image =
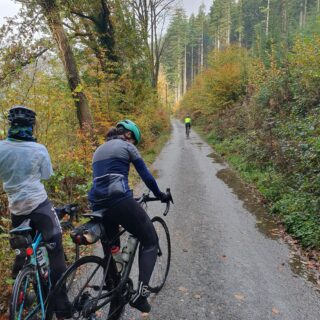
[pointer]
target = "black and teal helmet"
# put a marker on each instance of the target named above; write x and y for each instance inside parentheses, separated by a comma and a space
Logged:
(131, 126)
(21, 115)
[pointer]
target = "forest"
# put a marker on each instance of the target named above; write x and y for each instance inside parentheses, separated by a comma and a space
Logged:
(247, 71)
(82, 66)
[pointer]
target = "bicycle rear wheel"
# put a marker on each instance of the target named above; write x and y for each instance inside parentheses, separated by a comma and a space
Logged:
(25, 301)
(83, 281)
(161, 269)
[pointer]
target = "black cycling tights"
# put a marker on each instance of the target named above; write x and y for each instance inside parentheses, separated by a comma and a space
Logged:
(130, 215)
(45, 220)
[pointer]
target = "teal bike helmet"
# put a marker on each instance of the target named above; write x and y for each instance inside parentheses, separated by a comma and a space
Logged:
(131, 126)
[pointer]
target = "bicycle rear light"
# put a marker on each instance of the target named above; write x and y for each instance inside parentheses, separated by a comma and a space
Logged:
(29, 251)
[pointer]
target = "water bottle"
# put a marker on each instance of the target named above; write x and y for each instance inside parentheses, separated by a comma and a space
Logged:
(128, 248)
(43, 261)
(117, 256)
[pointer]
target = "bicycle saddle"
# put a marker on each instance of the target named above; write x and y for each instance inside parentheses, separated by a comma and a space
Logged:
(23, 227)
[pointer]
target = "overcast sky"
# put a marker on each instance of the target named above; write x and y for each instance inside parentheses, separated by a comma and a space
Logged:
(192, 6)
(9, 8)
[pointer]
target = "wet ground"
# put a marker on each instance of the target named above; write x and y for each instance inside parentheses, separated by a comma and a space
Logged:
(229, 262)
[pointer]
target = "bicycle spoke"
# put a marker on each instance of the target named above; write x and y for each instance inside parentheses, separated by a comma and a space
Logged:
(25, 303)
(86, 291)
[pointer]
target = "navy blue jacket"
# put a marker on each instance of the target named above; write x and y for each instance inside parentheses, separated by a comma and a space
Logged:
(111, 164)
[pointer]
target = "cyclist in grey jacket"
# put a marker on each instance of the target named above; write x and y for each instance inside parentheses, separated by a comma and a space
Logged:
(23, 164)
(110, 190)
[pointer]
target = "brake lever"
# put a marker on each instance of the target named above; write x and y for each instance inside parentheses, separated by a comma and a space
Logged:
(170, 195)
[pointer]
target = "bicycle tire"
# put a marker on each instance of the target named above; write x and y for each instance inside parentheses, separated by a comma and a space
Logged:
(22, 299)
(83, 279)
(162, 265)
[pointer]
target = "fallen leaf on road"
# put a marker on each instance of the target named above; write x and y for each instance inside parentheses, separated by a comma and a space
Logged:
(145, 316)
(182, 289)
(239, 296)
(197, 296)
(224, 257)
(275, 311)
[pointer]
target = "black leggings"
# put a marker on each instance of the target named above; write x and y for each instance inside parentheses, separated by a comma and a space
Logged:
(131, 216)
(45, 220)
(188, 125)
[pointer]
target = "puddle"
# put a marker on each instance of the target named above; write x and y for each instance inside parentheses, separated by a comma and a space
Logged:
(216, 158)
(264, 222)
(299, 267)
(199, 144)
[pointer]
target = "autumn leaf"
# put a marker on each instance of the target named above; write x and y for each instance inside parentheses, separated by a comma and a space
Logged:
(275, 311)
(239, 296)
(182, 289)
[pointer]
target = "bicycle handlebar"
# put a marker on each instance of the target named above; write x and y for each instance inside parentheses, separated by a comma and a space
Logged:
(68, 209)
(147, 198)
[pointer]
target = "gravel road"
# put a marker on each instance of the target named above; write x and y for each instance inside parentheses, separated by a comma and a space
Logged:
(228, 262)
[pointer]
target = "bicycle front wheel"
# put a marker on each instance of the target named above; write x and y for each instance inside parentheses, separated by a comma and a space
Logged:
(27, 300)
(161, 269)
(83, 282)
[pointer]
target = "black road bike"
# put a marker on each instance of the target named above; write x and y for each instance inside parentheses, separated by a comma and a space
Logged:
(96, 286)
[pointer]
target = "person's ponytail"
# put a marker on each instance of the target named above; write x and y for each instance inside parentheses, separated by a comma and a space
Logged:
(115, 132)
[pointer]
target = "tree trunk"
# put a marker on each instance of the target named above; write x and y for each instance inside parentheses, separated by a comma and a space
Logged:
(240, 26)
(192, 72)
(201, 49)
(52, 15)
(229, 22)
(305, 12)
(185, 70)
(284, 15)
(301, 15)
(267, 20)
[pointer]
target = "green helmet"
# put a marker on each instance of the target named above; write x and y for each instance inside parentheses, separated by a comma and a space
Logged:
(131, 126)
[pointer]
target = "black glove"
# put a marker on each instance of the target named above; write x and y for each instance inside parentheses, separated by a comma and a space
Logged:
(164, 197)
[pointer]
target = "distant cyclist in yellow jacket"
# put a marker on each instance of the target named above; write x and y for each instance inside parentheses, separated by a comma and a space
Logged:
(187, 122)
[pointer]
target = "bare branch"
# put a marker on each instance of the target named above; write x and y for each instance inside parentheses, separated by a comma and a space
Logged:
(20, 64)
(82, 15)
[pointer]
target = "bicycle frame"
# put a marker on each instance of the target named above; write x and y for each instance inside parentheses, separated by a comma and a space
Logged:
(33, 262)
(124, 275)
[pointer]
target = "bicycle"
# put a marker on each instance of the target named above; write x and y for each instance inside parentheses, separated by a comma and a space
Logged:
(32, 285)
(98, 286)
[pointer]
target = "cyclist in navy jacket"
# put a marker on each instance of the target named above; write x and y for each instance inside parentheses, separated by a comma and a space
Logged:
(111, 163)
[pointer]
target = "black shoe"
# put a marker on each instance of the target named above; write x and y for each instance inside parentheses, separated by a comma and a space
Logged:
(62, 307)
(63, 311)
(139, 300)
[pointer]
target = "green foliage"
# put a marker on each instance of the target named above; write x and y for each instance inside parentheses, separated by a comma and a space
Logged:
(265, 120)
